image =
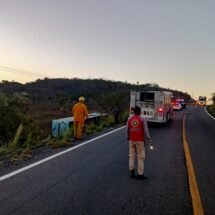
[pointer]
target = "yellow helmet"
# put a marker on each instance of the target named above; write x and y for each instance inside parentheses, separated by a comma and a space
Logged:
(81, 98)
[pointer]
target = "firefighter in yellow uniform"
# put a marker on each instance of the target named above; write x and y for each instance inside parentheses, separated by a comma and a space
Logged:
(80, 114)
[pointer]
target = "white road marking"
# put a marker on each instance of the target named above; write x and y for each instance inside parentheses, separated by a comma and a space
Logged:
(54, 156)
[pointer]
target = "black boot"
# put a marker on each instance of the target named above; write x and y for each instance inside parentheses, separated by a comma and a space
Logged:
(132, 173)
(141, 177)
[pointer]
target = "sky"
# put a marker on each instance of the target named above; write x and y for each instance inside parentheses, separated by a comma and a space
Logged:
(168, 42)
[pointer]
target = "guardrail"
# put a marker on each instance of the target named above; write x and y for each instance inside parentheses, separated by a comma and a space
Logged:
(59, 126)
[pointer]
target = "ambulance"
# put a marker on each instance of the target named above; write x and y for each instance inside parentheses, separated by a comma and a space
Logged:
(156, 106)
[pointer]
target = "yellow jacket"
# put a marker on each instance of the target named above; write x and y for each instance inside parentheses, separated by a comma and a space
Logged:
(80, 112)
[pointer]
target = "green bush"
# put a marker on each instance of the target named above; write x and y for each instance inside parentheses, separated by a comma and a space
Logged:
(99, 129)
(91, 128)
(103, 124)
(124, 116)
(211, 110)
(110, 121)
(62, 140)
(3, 149)
(17, 129)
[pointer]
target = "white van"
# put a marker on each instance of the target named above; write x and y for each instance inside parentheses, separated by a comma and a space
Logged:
(155, 106)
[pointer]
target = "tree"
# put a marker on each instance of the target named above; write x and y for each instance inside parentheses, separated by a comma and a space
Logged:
(213, 98)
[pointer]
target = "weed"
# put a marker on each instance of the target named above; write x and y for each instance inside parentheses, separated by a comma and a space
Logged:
(16, 138)
(91, 128)
(211, 110)
(98, 129)
(63, 140)
(110, 121)
(124, 116)
(3, 149)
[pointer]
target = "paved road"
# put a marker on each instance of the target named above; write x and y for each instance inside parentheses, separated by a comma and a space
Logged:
(94, 179)
(201, 137)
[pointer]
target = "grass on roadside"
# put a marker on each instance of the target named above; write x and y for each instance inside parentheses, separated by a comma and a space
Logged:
(13, 149)
(23, 151)
(62, 140)
(211, 109)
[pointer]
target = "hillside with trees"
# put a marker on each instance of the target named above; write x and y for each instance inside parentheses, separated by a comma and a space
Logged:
(61, 92)
(52, 98)
(31, 107)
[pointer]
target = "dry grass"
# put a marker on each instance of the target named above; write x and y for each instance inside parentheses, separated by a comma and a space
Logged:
(16, 138)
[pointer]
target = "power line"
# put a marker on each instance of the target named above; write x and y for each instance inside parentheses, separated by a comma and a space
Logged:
(21, 72)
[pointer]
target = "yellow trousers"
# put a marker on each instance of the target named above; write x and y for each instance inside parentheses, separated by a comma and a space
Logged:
(137, 150)
(78, 129)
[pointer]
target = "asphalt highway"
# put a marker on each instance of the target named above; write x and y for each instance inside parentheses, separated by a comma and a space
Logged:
(201, 138)
(94, 178)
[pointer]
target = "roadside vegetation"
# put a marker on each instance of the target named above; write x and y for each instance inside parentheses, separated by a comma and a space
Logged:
(19, 134)
(211, 108)
(91, 127)
(18, 131)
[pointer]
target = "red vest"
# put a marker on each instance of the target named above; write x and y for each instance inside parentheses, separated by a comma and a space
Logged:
(135, 126)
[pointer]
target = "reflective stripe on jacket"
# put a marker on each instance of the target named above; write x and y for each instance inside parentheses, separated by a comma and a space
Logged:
(136, 129)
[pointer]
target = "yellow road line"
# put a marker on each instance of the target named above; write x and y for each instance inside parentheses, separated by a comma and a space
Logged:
(196, 200)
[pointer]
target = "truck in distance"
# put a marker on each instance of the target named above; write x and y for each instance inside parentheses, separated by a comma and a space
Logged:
(156, 106)
(202, 101)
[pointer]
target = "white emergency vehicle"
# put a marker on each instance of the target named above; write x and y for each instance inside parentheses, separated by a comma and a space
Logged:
(156, 106)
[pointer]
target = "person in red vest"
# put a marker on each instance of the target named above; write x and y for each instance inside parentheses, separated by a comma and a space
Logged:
(138, 134)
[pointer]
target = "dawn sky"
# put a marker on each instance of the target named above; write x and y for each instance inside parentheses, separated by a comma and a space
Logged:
(168, 42)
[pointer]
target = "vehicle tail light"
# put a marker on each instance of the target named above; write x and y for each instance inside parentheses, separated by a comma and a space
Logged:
(160, 109)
